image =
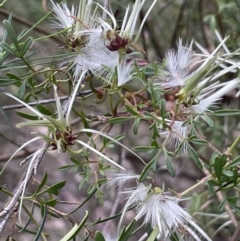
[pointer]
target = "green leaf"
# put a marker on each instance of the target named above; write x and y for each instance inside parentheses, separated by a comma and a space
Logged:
(6, 82)
(75, 161)
(42, 183)
(9, 50)
(27, 116)
(44, 214)
(11, 33)
(163, 107)
(5, 117)
(169, 165)
(153, 234)
(136, 125)
(179, 148)
(54, 189)
(222, 205)
(150, 166)
(151, 116)
(235, 207)
(144, 148)
(12, 76)
(226, 112)
(127, 232)
(227, 173)
(44, 110)
(75, 230)
(52, 202)
(208, 120)
(213, 158)
(211, 184)
(21, 90)
(234, 163)
(132, 110)
(99, 236)
(199, 142)
(119, 120)
(194, 156)
(26, 46)
(218, 167)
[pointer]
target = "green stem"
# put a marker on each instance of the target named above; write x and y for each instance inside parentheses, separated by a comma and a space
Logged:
(36, 24)
(194, 186)
(51, 35)
(28, 65)
(234, 144)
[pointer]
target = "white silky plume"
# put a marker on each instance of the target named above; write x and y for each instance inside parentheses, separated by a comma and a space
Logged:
(157, 208)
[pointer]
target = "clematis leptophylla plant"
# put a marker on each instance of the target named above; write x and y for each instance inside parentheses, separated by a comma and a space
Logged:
(60, 135)
(106, 46)
(74, 21)
(198, 89)
(156, 207)
(123, 38)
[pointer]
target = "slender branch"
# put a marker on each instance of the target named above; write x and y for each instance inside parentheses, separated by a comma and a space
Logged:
(42, 102)
(105, 6)
(9, 208)
(236, 235)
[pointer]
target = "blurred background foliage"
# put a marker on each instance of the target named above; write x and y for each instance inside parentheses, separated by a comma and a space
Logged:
(169, 21)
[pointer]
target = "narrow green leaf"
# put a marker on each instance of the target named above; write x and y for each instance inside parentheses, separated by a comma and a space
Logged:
(6, 82)
(52, 202)
(144, 148)
(226, 112)
(208, 120)
(42, 223)
(132, 110)
(194, 156)
(227, 173)
(11, 33)
(179, 148)
(222, 205)
(44, 110)
(72, 159)
(5, 117)
(235, 207)
(9, 50)
(136, 125)
(169, 165)
(12, 76)
(199, 142)
(21, 90)
(118, 120)
(211, 185)
(234, 163)
(127, 232)
(163, 107)
(42, 183)
(54, 189)
(27, 116)
(150, 166)
(75, 230)
(29, 219)
(26, 46)
(153, 234)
